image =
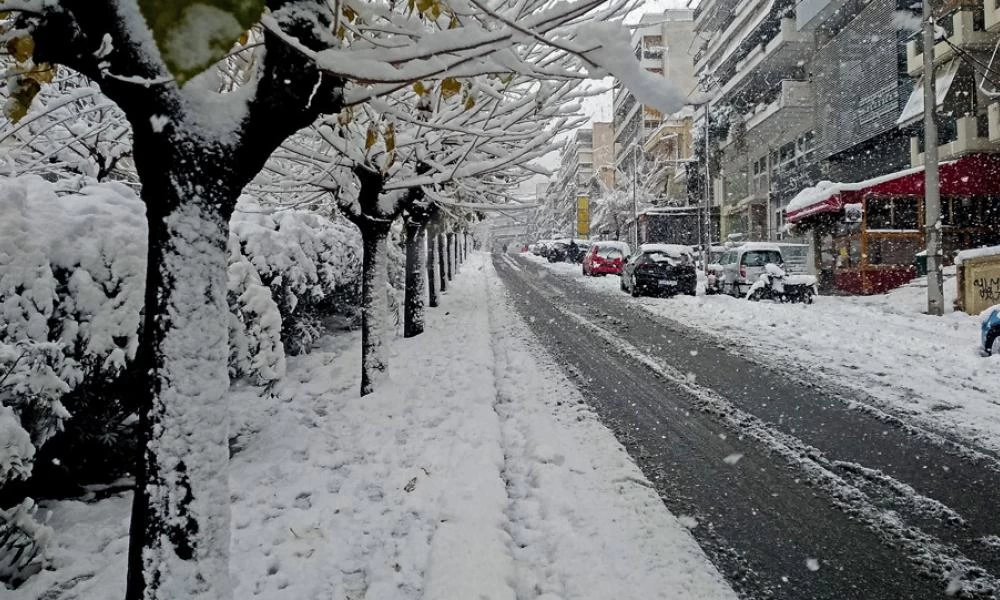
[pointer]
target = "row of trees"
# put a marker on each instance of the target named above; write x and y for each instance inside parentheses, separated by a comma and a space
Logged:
(378, 110)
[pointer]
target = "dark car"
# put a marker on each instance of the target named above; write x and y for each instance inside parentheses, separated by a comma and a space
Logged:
(656, 269)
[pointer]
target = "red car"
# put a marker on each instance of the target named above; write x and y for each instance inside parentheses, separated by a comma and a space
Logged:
(605, 258)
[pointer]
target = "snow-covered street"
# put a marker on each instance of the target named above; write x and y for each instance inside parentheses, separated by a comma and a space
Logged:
(830, 477)
(925, 370)
(476, 472)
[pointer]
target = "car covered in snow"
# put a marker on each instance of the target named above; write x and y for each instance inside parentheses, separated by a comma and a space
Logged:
(660, 269)
(990, 339)
(605, 258)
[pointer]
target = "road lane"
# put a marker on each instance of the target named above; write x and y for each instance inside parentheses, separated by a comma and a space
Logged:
(887, 514)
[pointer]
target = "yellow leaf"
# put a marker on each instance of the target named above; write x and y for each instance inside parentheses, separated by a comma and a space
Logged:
(425, 5)
(244, 38)
(389, 160)
(21, 48)
(21, 98)
(349, 13)
(371, 138)
(390, 137)
(454, 22)
(470, 102)
(450, 87)
(419, 88)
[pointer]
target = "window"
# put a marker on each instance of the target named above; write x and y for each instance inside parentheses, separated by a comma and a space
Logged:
(892, 214)
(759, 258)
(893, 250)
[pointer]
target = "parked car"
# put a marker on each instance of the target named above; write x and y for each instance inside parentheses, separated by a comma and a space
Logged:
(605, 258)
(756, 269)
(541, 248)
(557, 251)
(660, 269)
(990, 339)
(742, 266)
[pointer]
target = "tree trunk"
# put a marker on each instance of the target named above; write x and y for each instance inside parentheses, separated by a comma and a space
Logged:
(443, 261)
(179, 538)
(451, 255)
(432, 284)
(374, 306)
(413, 304)
(465, 245)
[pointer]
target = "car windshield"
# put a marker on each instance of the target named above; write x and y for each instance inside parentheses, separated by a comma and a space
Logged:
(759, 258)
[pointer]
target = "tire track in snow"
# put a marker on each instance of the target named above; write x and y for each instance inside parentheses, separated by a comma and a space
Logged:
(937, 559)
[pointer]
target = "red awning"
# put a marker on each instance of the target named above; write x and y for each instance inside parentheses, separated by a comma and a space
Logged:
(973, 175)
(830, 204)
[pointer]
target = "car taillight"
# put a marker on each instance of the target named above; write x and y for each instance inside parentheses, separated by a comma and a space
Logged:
(743, 271)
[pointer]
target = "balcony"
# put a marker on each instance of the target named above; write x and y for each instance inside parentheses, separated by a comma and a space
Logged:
(966, 29)
(992, 15)
(780, 56)
(793, 95)
(745, 17)
(972, 135)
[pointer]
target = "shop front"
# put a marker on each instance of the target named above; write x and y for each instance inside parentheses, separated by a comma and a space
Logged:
(867, 234)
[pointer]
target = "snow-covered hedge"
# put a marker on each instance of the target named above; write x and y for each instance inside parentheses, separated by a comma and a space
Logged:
(311, 264)
(72, 270)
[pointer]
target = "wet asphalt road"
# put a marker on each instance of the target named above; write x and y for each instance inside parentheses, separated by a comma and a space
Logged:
(782, 475)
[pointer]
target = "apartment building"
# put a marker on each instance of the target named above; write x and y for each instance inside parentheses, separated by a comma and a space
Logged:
(967, 86)
(755, 55)
(662, 44)
(574, 180)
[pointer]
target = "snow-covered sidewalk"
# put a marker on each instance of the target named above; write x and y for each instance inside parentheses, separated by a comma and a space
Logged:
(476, 472)
(923, 369)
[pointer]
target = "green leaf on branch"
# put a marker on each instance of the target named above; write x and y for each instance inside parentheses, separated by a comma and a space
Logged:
(194, 34)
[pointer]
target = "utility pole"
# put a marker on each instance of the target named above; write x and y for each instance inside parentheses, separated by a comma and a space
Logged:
(705, 230)
(635, 195)
(932, 190)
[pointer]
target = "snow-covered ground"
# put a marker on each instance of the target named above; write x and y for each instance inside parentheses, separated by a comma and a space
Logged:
(476, 472)
(926, 370)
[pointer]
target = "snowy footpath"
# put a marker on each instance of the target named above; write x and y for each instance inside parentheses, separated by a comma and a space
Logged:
(476, 472)
(924, 370)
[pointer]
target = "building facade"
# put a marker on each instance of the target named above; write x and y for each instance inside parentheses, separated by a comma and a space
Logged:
(574, 180)
(662, 44)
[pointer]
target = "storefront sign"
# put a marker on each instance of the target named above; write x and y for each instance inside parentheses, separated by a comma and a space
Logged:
(583, 217)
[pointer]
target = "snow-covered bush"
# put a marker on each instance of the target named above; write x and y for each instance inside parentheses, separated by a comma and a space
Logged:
(71, 275)
(311, 264)
(22, 543)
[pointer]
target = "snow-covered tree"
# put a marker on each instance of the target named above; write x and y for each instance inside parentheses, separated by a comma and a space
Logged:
(195, 149)
(71, 130)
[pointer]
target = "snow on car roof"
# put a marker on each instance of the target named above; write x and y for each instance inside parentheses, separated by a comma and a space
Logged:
(758, 246)
(611, 244)
(668, 249)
